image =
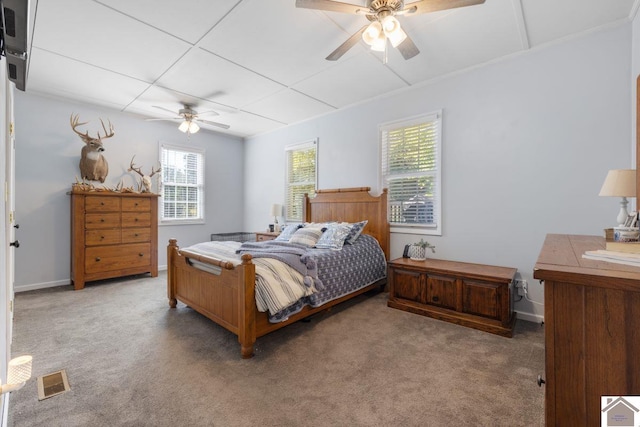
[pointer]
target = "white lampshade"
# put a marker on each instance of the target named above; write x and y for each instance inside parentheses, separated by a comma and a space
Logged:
(189, 127)
(373, 31)
(276, 210)
(619, 183)
(19, 370)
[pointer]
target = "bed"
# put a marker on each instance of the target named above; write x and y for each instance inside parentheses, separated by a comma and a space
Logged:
(226, 293)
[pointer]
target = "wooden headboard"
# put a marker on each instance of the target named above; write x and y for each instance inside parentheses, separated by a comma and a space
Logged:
(351, 205)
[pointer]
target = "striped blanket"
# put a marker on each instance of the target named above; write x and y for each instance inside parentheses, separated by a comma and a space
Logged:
(277, 284)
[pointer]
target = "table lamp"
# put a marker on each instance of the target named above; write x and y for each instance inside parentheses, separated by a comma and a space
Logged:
(620, 183)
(276, 211)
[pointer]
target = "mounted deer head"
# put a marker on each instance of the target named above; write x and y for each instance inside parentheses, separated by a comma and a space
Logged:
(145, 182)
(93, 165)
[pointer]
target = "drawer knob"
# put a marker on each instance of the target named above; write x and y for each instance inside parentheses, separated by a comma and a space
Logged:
(97, 259)
(136, 203)
(136, 219)
(101, 203)
(101, 237)
(140, 254)
(135, 234)
(435, 299)
(101, 219)
(540, 381)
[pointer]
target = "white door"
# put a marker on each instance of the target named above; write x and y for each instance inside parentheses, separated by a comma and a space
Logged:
(12, 226)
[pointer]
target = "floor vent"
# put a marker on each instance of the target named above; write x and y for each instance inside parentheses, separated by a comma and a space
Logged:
(52, 384)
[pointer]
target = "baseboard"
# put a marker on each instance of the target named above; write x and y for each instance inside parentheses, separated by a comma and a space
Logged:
(43, 285)
(162, 268)
(535, 318)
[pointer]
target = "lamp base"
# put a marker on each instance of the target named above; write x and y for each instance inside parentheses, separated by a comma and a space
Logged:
(623, 214)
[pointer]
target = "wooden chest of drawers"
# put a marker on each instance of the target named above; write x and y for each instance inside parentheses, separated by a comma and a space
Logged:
(473, 295)
(113, 235)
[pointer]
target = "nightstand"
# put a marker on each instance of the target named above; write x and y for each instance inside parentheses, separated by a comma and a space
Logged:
(262, 236)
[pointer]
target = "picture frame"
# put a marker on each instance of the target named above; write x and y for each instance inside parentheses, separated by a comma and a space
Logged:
(632, 220)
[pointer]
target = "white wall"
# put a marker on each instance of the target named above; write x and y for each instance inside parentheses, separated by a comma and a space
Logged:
(47, 156)
(527, 142)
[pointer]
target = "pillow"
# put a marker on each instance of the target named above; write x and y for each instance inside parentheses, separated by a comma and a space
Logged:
(287, 232)
(356, 229)
(307, 236)
(334, 237)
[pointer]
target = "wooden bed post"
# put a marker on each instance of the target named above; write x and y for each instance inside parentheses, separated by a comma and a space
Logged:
(172, 249)
(247, 307)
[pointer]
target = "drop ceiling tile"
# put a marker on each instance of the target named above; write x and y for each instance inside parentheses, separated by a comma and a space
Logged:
(204, 75)
(79, 81)
(288, 46)
(551, 19)
(188, 19)
(288, 106)
(457, 39)
(351, 80)
(95, 34)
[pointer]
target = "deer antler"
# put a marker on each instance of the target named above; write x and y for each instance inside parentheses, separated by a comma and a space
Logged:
(132, 168)
(107, 134)
(153, 171)
(74, 120)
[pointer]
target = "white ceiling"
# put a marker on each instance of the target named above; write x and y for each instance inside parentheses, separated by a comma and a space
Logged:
(260, 63)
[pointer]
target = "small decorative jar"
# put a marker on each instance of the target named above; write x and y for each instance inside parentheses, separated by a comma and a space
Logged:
(417, 252)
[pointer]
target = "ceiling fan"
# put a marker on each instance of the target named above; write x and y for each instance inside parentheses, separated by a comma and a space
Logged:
(189, 118)
(384, 26)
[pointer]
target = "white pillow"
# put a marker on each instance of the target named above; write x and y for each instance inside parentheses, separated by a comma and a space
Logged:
(307, 236)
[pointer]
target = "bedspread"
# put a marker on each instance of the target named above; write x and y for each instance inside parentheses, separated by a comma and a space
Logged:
(278, 286)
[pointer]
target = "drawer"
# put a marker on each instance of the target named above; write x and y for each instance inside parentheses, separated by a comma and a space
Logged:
(136, 204)
(102, 220)
(135, 235)
(442, 291)
(101, 204)
(109, 258)
(136, 219)
(103, 237)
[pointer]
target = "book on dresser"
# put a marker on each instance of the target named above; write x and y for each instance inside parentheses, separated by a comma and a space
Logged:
(631, 247)
(112, 235)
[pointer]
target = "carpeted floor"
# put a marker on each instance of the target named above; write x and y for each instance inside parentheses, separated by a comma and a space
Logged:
(132, 361)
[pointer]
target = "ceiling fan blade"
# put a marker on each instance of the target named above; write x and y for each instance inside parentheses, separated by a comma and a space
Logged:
(220, 125)
(331, 6)
(408, 48)
(426, 6)
(344, 47)
(167, 119)
(165, 109)
(208, 113)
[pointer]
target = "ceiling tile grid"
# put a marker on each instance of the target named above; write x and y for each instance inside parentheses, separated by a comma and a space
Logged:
(260, 64)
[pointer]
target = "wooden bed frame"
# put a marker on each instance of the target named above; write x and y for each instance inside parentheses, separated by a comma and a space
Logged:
(228, 298)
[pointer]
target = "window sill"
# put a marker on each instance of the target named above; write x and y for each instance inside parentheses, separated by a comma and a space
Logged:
(416, 231)
(181, 222)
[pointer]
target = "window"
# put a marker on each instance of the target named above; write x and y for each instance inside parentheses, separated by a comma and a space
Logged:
(301, 177)
(411, 171)
(182, 187)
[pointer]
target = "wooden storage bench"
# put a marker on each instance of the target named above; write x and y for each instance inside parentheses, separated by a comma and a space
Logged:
(473, 295)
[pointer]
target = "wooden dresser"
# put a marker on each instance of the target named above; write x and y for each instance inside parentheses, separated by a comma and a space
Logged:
(592, 329)
(263, 236)
(474, 295)
(113, 235)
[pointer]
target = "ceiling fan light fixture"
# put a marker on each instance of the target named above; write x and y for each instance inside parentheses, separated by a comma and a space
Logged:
(397, 37)
(184, 126)
(193, 127)
(372, 33)
(390, 24)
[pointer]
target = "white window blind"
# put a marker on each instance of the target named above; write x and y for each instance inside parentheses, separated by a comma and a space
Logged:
(301, 177)
(411, 171)
(182, 186)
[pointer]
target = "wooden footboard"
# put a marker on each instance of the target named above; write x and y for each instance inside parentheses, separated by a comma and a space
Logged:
(226, 295)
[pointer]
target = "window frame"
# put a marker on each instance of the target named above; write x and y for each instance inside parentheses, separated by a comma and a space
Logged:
(200, 185)
(289, 149)
(413, 228)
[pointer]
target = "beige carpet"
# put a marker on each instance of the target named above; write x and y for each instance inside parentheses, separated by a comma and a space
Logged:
(132, 361)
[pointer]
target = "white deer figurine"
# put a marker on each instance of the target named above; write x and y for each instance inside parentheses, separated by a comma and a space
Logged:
(145, 181)
(93, 165)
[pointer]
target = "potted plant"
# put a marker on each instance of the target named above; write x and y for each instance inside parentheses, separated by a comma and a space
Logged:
(418, 251)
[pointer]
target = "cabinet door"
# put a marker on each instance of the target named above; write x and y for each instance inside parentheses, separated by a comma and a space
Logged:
(482, 299)
(441, 291)
(409, 285)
